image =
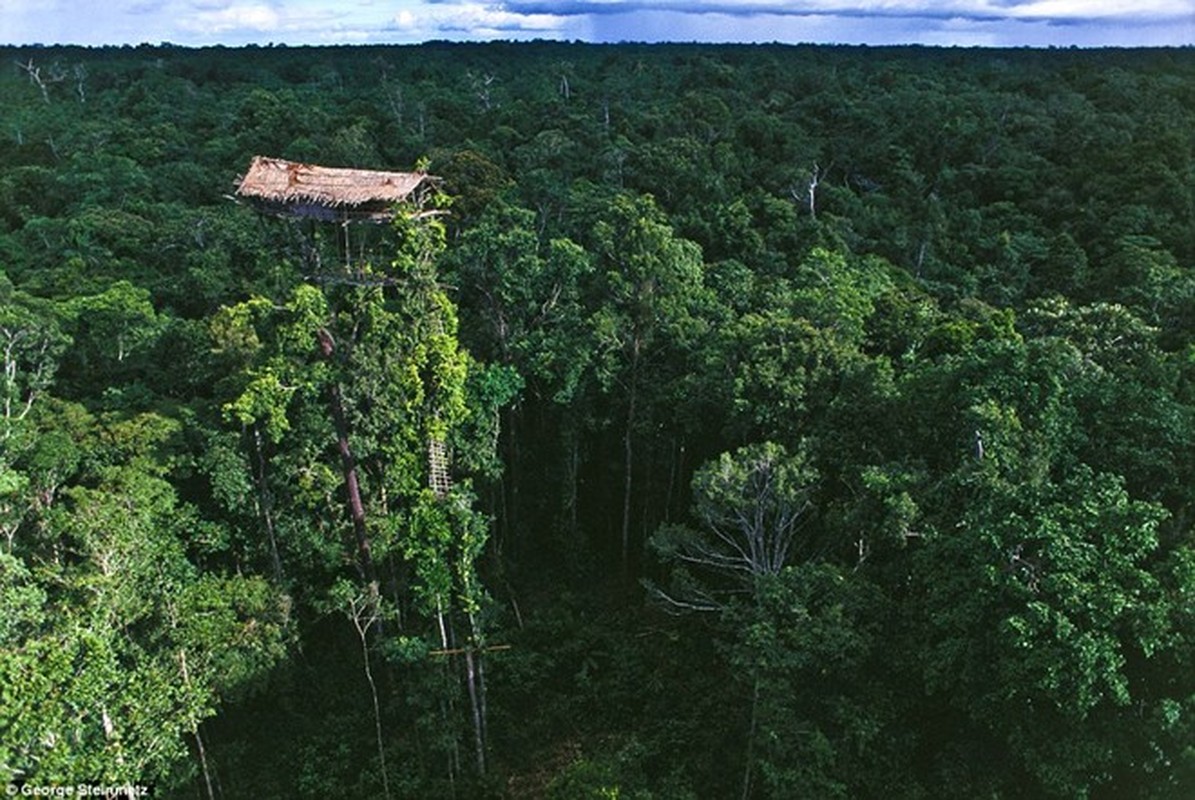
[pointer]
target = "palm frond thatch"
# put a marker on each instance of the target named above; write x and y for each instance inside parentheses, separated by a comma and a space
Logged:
(290, 188)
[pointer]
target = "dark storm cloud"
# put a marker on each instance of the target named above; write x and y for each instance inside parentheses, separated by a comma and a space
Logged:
(1055, 11)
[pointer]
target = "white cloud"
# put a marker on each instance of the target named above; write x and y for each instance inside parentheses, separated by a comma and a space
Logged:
(225, 20)
(478, 20)
(254, 18)
(210, 5)
(475, 18)
(1063, 10)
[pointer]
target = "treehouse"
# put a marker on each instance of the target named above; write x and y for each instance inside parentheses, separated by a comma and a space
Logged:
(299, 192)
(306, 192)
(330, 194)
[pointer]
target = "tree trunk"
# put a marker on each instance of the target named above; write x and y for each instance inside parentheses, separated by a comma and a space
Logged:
(348, 466)
(362, 632)
(628, 461)
(750, 766)
(509, 483)
(207, 775)
(475, 678)
(448, 705)
(199, 747)
(676, 467)
(471, 681)
(265, 503)
(572, 468)
(352, 488)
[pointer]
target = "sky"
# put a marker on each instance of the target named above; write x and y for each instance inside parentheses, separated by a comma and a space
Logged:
(967, 23)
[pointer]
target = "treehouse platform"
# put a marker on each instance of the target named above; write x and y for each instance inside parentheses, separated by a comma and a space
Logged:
(284, 188)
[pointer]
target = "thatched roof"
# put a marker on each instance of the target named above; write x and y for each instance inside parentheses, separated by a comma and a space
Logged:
(306, 190)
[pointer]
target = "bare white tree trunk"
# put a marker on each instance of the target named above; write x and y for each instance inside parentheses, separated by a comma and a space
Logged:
(363, 613)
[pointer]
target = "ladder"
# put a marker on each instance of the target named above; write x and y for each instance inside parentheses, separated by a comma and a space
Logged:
(437, 468)
(437, 451)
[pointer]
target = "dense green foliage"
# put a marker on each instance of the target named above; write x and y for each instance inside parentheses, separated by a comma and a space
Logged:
(821, 422)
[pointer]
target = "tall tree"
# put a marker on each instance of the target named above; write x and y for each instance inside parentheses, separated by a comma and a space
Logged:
(651, 288)
(751, 506)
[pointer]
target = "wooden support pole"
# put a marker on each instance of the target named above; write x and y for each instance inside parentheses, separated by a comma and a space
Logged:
(459, 651)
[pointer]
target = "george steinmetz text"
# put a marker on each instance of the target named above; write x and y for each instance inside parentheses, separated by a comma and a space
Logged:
(110, 791)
